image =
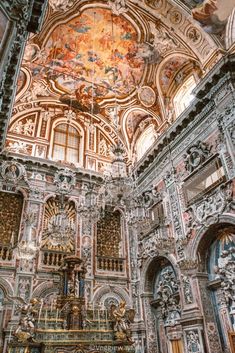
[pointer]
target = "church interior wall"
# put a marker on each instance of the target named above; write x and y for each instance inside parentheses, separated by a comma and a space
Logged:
(175, 270)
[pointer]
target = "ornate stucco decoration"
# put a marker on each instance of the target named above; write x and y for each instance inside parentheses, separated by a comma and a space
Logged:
(147, 248)
(161, 39)
(61, 5)
(209, 209)
(188, 264)
(65, 181)
(193, 342)
(188, 295)
(13, 172)
(226, 273)
(167, 297)
(151, 197)
(195, 155)
(118, 7)
(150, 246)
(27, 247)
(38, 89)
(59, 226)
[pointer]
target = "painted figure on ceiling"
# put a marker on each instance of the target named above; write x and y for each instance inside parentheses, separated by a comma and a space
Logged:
(213, 14)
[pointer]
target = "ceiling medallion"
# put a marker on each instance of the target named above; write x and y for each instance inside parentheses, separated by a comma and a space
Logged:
(147, 96)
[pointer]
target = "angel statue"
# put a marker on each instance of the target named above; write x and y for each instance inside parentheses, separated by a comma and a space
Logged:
(26, 328)
(122, 319)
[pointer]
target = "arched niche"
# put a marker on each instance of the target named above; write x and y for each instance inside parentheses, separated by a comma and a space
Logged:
(111, 295)
(59, 231)
(162, 307)
(215, 249)
(204, 239)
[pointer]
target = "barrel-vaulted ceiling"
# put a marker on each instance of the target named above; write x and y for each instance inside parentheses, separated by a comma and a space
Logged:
(112, 65)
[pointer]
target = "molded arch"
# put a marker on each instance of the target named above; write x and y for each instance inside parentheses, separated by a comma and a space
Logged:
(6, 287)
(44, 289)
(151, 268)
(124, 119)
(107, 291)
(206, 236)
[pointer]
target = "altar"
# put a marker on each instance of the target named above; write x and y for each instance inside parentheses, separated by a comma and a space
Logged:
(70, 324)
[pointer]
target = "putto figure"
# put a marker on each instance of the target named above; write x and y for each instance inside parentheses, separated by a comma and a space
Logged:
(122, 319)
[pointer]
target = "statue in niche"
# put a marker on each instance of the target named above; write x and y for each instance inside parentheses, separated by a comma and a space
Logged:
(167, 297)
(193, 344)
(122, 320)
(225, 271)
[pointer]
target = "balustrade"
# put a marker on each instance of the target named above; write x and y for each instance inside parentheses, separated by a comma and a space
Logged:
(50, 258)
(6, 253)
(110, 264)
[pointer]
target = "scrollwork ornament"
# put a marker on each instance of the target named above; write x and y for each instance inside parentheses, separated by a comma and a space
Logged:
(193, 342)
(61, 5)
(195, 155)
(167, 297)
(118, 7)
(213, 205)
(194, 35)
(188, 264)
(65, 181)
(188, 295)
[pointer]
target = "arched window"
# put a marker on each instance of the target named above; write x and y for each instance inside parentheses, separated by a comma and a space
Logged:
(145, 141)
(184, 95)
(66, 143)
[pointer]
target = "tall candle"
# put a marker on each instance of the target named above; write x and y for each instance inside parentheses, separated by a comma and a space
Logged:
(45, 317)
(56, 319)
(93, 311)
(98, 314)
(52, 302)
(40, 312)
(10, 334)
(106, 318)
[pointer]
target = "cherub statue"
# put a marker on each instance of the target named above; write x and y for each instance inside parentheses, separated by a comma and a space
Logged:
(25, 329)
(122, 320)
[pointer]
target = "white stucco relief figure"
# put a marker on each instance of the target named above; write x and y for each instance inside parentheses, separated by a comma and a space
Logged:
(118, 7)
(61, 5)
(193, 343)
(162, 41)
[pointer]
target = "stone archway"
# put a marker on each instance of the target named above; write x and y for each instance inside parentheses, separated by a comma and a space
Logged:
(161, 306)
(215, 249)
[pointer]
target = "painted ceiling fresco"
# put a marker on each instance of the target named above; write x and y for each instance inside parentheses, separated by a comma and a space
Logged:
(169, 71)
(213, 14)
(95, 47)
